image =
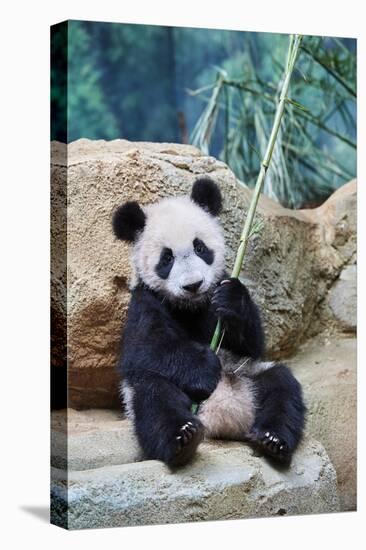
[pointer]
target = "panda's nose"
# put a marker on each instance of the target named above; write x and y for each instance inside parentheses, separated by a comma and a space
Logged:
(193, 287)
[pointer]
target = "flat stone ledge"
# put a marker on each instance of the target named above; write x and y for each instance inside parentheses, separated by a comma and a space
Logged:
(225, 481)
(95, 438)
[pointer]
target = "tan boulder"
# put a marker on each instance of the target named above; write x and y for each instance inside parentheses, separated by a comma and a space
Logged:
(290, 266)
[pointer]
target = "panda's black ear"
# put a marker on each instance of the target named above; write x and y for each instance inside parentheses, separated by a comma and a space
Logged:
(128, 220)
(206, 193)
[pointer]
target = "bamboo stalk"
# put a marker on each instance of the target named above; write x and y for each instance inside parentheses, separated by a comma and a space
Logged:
(290, 63)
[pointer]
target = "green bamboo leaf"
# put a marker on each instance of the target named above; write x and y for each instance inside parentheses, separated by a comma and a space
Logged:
(297, 105)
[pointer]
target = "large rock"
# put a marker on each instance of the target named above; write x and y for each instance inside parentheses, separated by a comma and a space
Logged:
(342, 299)
(290, 266)
(105, 487)
(326, 367)
(335, 238)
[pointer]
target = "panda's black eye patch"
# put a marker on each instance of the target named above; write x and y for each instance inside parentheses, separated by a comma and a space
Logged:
(205, 253)
(165, 264)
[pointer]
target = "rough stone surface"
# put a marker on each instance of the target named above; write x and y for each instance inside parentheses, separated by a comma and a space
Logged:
(59, 257)
(102, 449)
(224, 482)
(94, 438)
(343, 298)
(289, 267)
(326, 367)
(336, 237)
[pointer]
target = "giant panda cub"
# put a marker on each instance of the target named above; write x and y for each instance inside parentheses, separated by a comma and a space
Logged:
(180, 289)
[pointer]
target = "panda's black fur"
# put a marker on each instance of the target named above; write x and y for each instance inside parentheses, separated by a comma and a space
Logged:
(166, 363)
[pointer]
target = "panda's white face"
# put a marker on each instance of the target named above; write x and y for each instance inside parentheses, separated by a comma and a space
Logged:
(181, 251)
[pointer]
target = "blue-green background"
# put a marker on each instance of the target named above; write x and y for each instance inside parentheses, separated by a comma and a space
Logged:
(112, 80)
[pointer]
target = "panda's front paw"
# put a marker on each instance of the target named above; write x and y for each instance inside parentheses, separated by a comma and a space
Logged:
(186, 433)
(229, 299)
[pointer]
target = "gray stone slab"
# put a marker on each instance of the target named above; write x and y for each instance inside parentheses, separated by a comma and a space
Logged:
(222, 483)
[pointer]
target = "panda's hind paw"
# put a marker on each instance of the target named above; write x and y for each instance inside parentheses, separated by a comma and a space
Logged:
(274, 446)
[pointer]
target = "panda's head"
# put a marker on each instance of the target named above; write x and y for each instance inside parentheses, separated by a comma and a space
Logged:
(178, 244)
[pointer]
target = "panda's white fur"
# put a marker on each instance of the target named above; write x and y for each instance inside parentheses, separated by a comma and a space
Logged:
(127, 394)
(174, 223)
(229, 412)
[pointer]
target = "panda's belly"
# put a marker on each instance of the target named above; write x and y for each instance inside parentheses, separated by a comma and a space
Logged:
(229, 412)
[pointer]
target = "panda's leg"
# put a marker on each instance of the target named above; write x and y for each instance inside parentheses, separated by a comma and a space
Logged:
(164, 424)
(280, 412)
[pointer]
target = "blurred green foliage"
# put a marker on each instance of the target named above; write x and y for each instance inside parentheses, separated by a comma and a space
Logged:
(315, 150)
(154, 83)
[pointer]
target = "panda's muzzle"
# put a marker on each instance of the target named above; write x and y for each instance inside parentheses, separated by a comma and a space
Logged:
(193, 287)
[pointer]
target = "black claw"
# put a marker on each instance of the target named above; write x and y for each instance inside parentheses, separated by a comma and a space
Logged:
(186, 433)
(191, 430)
(274, 446)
